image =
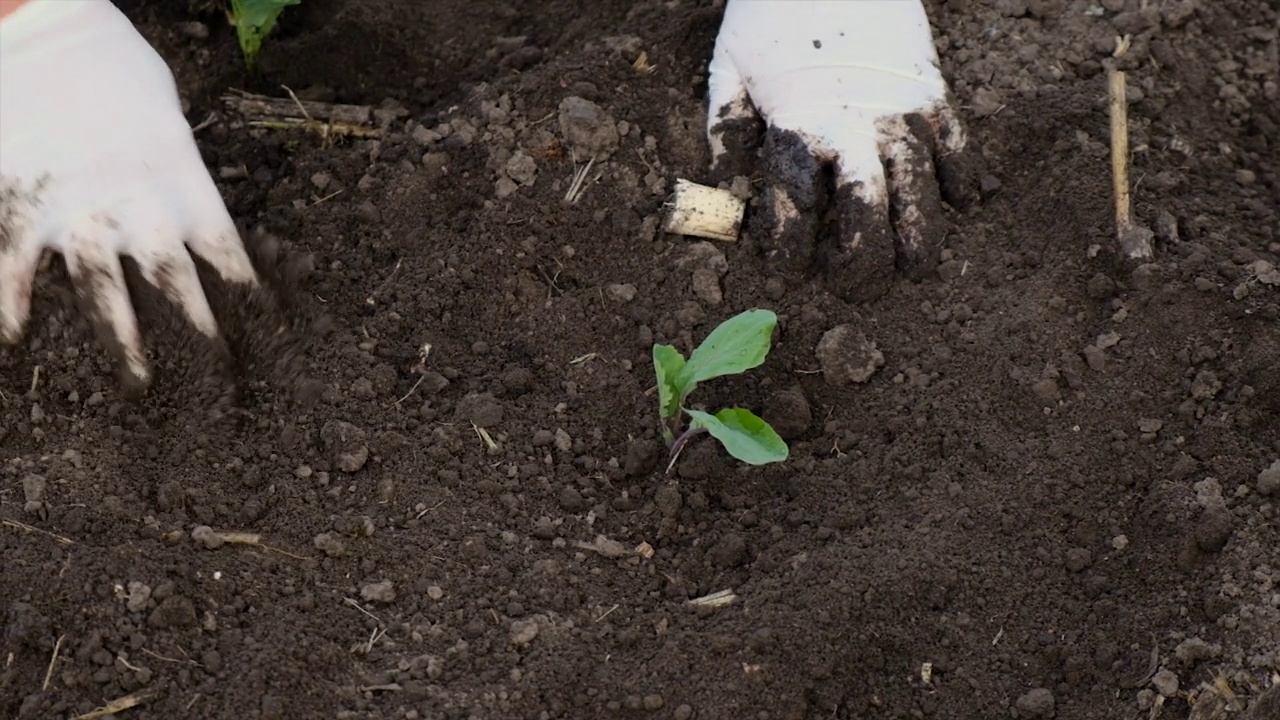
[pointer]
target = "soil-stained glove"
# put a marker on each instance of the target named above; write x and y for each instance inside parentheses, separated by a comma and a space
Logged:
(98, 162)
(853, 85)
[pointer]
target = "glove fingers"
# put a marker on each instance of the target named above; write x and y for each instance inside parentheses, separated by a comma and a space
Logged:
(957, 165)
(860, 266)
(733, 127)
(784, 224)
(218, 241)
(99, 280)
(153, 225)
(19, 258)
(915, 202)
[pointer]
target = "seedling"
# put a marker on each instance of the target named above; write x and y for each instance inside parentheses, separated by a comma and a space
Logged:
(735, 346)
(254, 20)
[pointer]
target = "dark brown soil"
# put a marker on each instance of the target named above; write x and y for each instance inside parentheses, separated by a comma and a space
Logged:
(1051, 492)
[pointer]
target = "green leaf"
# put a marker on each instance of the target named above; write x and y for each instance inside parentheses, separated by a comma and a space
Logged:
(667, 364)
(744, 435)
(736, 345)
(254, 20)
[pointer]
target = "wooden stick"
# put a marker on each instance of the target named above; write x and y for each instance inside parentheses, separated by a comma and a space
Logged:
(1135, 241)
(328, 119)
(703, 211)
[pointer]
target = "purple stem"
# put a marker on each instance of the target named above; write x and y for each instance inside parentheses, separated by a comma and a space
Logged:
(684, 439)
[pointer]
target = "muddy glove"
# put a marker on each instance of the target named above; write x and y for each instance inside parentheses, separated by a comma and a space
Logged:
(98, 162)
(853, 86)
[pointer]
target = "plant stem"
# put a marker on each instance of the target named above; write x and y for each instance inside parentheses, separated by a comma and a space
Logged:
(684, 439)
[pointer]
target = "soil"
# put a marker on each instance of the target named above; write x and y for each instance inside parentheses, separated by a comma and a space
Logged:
(1049, 499)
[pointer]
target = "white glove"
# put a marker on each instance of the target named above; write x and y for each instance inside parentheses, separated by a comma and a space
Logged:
(852, 84)
(97, 161)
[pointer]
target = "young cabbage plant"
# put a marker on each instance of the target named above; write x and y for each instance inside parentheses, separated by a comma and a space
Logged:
(254, 20)
(735, 346)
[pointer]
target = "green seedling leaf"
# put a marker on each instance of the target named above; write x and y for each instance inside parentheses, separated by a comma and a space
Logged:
(254, 20)
(667, 364)
(744, 435)
(736, 345)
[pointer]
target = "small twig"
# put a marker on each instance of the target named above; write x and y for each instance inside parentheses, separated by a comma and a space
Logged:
(578, 185)
(420, 367)
(356, 605)
(213, 116)
(680, 442)
(427, 510)
(118, 705)
(158, 656)
(484, 435)
(298, 102)
(1135, 241)
(23, 526)
(35, 378)
(48, 674)
(326, 198)
(390, 276)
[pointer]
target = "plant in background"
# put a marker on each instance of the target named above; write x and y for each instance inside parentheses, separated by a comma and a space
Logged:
(254, 20)
(735, 346)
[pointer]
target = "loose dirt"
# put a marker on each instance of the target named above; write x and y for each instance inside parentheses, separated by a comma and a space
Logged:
(1051, 498)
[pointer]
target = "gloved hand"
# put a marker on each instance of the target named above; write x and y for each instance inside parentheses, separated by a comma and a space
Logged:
(853, 85)
(97, 162)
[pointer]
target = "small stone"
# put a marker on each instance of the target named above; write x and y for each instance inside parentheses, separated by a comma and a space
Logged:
(435, 592)
(1214, 528)
(787, 411)
(524, 631)
(729, 552)
(1206, 385)
(706, 286)
(504, 188)
(383, 591)
(1037, 703)
(668, 500)
(1078, 559)
(204, 536)
(653, 701)
(1269, 479)
(1195, 650)
(480, 409)
(622, 292)
(847, 356)
(139, 595)
(522, 168)
(684, 712)
(642, 457)
(571, 500)
(587, 128)
(33, 488)
(1096, 358)
(1165, 682)
(1011, 8)
(346, 444)
(1047, 390)
(194, 30)
(1100, 287)
(173, 611)
(1150, 425)
(329, 544)
(563, 441)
